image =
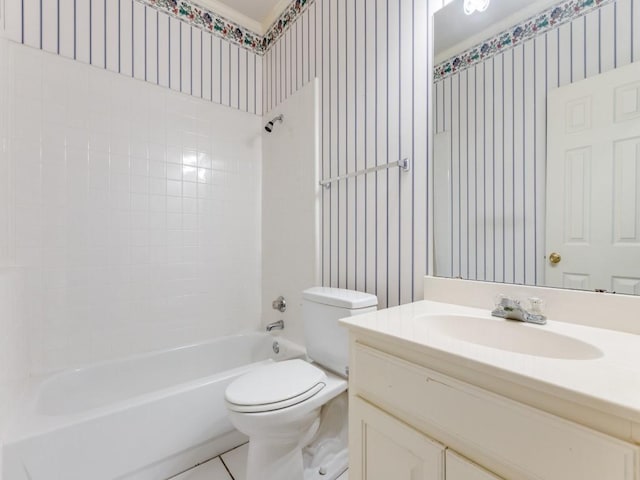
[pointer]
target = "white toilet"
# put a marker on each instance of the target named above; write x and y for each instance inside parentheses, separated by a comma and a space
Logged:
(280, 406)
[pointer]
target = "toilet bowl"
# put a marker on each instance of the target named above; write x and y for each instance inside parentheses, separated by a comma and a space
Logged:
(282, 417)
(295, 412)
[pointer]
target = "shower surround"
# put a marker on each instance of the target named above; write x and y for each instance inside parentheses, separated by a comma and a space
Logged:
(136, 212)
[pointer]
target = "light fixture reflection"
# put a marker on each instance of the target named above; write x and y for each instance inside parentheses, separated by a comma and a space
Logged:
(471, 6)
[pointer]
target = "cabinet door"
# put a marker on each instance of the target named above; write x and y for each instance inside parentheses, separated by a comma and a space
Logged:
(382, 447)
(459, 468)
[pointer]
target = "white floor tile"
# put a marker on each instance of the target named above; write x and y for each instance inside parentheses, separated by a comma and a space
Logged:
(236, 461)
(212, 470)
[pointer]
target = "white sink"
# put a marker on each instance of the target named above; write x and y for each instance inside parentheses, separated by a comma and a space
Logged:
(509, 335)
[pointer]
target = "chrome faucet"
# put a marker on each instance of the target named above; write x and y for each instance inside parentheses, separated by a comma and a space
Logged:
(511, 309)
(279, 325)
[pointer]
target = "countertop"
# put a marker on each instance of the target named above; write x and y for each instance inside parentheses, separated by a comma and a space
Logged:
(608, 380)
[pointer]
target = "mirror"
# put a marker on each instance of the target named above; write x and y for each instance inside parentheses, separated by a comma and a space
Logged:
(517, 198)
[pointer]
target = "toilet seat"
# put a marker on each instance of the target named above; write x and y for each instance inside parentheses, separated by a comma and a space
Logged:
(274, 387)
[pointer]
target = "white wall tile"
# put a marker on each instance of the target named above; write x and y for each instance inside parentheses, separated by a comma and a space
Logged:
(290, 190)
(117, 231)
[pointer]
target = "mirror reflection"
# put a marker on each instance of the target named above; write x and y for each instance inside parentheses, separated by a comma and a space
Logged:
(537, 143)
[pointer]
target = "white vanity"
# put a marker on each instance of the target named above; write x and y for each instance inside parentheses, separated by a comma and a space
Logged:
(444, 390)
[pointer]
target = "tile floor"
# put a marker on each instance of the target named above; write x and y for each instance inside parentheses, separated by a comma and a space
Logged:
(228, 466)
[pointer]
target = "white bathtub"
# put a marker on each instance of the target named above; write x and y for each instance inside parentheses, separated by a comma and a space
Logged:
(145, 417)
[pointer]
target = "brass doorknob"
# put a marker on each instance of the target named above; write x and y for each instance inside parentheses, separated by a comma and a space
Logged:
(555, 258)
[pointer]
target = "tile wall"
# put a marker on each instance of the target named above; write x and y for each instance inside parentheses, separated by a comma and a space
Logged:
(137, 212)
(14, 349)
(291, 209)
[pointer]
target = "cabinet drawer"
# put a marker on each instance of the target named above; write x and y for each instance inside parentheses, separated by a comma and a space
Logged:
(526, 440)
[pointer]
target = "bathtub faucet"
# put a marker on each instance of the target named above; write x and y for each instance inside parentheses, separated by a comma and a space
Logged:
(279, 325)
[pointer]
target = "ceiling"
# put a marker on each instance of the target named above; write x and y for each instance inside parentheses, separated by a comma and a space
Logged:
(256, 15)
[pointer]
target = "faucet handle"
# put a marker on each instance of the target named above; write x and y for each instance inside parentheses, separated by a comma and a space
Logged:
(536, 305)
(502, 301)
(279, 304)
(498, 300)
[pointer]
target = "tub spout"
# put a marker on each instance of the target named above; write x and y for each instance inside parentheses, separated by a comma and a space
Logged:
(279, 325)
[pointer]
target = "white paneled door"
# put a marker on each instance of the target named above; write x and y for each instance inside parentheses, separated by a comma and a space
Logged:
(593, 178)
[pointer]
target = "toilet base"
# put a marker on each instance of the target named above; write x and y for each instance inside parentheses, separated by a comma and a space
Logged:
(317, 450)
(278, 454)
(327, 456)
(332, 468)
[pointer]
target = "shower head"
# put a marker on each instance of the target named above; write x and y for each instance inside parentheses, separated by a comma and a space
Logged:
(269, 126)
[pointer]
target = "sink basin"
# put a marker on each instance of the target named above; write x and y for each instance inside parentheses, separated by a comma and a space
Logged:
(509, 335)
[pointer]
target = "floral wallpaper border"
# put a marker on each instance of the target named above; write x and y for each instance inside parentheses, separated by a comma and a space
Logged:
(532, 27)
(209, 21)
(288, 17)
(226, 29)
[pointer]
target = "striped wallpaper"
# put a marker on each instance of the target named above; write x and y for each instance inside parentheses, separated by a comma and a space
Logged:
(373, 60)
(137, 40)
(493, 116)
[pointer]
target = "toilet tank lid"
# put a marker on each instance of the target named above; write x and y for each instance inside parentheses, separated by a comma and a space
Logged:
(340, 297)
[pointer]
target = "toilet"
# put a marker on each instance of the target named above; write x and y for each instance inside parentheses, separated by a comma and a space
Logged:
(295, 412)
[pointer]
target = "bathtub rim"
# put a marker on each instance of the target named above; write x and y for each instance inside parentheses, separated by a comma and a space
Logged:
(50, 376)
(27, 422)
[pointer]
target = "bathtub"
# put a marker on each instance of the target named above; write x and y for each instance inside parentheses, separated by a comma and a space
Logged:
(145, 417)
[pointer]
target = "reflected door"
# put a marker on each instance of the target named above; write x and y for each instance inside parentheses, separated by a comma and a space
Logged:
(593, 174)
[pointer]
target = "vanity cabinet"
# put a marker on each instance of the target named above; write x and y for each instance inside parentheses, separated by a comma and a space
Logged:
(390, 448)
(459, 468)
(410, 422)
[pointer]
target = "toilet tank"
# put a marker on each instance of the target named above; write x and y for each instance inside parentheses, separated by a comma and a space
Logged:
(327, 341)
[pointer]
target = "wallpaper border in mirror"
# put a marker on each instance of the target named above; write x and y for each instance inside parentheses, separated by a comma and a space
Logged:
(538, 24)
